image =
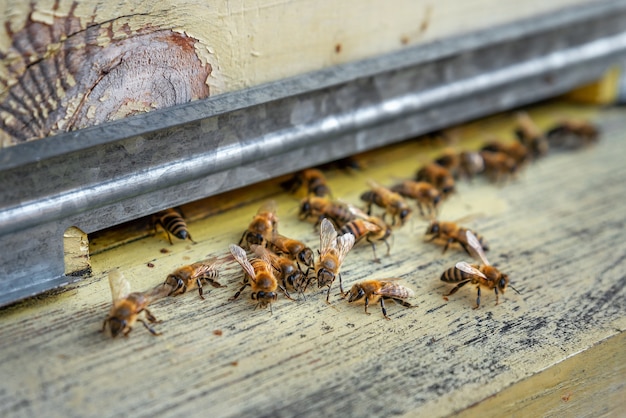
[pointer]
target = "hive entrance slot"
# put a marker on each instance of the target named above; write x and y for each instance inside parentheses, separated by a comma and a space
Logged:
(76, 252)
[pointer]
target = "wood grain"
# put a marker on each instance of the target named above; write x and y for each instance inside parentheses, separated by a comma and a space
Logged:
(69, 64)
(557, 230)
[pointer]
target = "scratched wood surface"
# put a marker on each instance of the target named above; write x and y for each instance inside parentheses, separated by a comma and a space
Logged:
(558, 230)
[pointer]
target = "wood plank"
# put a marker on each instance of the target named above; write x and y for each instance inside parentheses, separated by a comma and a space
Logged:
(588, 384)
(67, 76)
(557, 230)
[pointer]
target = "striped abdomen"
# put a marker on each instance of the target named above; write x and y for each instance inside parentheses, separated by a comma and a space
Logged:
(174, 224)
(454, 275)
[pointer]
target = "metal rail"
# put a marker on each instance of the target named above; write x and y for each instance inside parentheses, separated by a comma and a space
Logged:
(102, 176)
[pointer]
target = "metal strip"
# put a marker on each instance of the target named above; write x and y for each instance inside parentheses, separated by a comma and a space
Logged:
(102, 176)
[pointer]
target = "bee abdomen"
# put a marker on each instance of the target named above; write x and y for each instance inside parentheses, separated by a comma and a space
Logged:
(175, 224)
(454, 275)
(351, 228)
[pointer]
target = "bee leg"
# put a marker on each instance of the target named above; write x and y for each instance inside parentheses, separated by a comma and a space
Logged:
(238, 292)
(419, 206)
(466, 248)
(376, 259)
(150, 317)
(104, 324)
(367, 303)
(402, 302)
(245, 233)
(200, 291)
(388, 247)
(328, 295)
(190, 239)
(477, 298)
(457, 287)
(382, 306)
(445, 248)
(148, 327)
(284, 289)
(497, 295)
(340, 285)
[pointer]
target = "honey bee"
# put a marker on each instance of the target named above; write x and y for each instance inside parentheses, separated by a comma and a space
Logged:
(333, 250)
(173, 223)
(425, 194)
(370, 228)
(294, 248)
(464, 164)
(515, 150)
(530, 135)
(451, 232)
(192, 276)
(498, 165)
(393, 203)
(126, 307)
(316, 208)
(438, 176)
(313, 179)
(572, 134)
(286, 268)
(263, 225)
(372, 291)
(479, 274)
(259, 276)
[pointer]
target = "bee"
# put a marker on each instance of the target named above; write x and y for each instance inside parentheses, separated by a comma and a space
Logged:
(293, 248)
(425, 194)
(317, 208)
(173, 223)
(126, 307)
(451, 232)
(464, 164)
(515, 150)
(263, 225)
(531, 136)
(393, 203)
(286, 268)
(371, 232)
(333, 250)
(438, 176)
(313, 179)
(372, 291)
(192, 276)
(572, 134)
(259, 276)
(479, 274)
(498, 165)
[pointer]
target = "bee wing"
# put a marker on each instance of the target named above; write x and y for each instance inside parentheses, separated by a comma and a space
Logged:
(344, 245)
(373, 185)
(241, 257)
(328, 236)
(477, 248)
(263, 253)
(371, 226)
(268, 206)
(390, 287)
(467, 268)
(120, 288)
(358, 212)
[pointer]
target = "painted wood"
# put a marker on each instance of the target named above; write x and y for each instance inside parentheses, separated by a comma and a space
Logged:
(69, 64)
(557, 230)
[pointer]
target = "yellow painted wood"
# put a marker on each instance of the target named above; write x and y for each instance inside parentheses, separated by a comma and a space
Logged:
(76, 251)
(602, 92)
(557, 230)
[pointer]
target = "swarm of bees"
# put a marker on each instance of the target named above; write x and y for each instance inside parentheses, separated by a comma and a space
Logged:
(274, 264)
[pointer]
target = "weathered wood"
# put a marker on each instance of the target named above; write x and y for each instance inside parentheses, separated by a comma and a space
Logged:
(588, 384)
(69, 64)
(557, 230)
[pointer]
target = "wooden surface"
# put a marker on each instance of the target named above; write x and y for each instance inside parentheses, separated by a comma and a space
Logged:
(61, 61)
(557, 230)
